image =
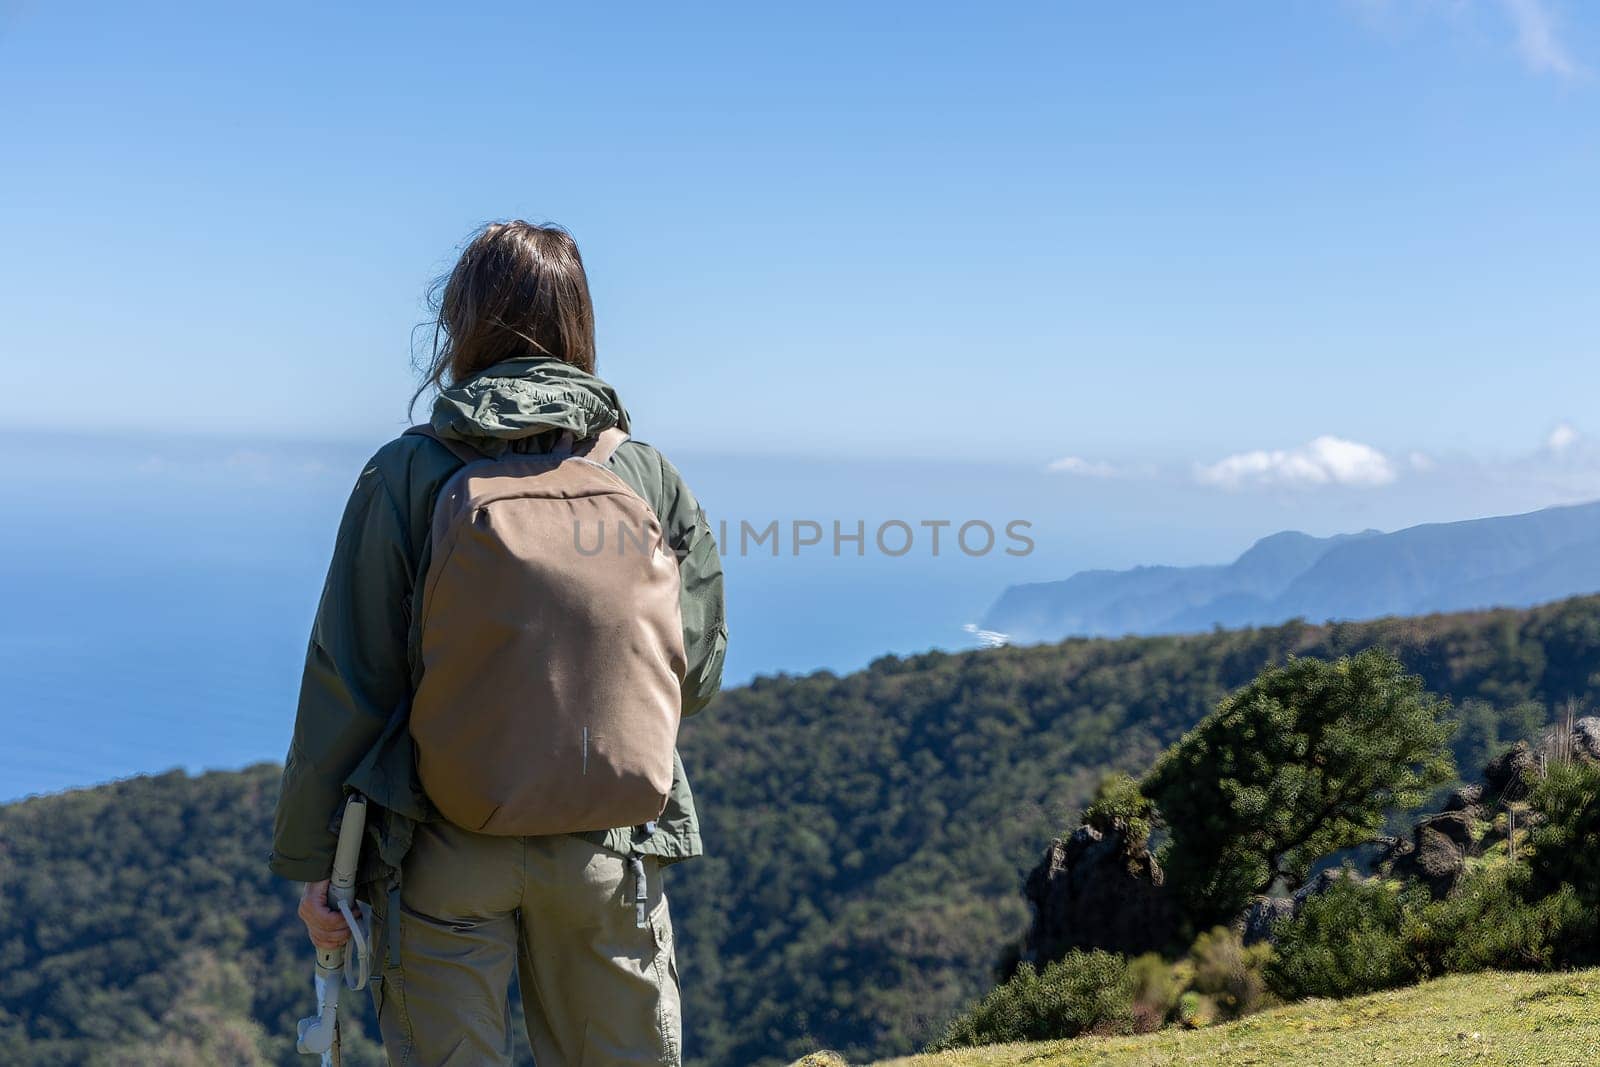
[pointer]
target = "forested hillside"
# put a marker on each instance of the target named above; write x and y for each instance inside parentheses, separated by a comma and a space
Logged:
(868, 834)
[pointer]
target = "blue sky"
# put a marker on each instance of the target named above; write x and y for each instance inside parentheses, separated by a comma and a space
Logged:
(1164, 235)
(1160, 279)
(1326, 265)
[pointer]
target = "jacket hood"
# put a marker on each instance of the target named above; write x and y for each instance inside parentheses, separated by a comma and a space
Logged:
(524, 398)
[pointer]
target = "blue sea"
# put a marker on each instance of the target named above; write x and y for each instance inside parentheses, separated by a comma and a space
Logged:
(158, 592)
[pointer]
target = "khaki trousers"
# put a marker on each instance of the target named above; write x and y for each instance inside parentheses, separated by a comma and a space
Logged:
(597, 990)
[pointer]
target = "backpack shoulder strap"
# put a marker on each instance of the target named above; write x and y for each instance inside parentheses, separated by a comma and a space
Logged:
(460, 449)
(601, 448)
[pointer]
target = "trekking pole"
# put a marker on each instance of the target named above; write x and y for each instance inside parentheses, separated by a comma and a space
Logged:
(319, 1034)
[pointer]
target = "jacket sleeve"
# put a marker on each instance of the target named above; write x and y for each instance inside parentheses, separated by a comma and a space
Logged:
(356, 675)
(705, 628)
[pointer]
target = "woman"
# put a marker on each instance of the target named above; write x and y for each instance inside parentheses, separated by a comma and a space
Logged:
(581, 916)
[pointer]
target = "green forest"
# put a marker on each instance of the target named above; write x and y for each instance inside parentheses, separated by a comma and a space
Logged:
(868, 837)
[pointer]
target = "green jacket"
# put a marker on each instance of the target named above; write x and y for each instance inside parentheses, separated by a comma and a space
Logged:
(351, 730)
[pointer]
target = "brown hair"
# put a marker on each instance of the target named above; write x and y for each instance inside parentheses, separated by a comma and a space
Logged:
(517, 290)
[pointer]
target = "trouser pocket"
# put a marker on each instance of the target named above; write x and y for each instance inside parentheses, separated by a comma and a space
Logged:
(453, 976)
(598, 987)
(669, 1002)
(453, 942)
(388, 985)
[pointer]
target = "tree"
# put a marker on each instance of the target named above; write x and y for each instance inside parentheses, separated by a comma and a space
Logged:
(1566, 846)
(1307, 759)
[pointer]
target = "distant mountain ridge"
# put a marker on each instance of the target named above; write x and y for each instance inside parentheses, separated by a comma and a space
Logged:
(1506, 561)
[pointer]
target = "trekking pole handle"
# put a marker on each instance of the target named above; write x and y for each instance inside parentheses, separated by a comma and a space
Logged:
(348, 854)
(342, 880)
(353, 958)
(348, 965)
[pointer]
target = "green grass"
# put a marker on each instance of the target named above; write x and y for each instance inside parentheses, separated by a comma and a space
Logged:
(1526, 1020)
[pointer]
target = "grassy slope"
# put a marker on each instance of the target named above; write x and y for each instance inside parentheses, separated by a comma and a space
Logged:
(1495, 1018)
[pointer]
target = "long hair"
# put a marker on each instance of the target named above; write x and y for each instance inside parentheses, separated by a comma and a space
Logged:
(518, 290)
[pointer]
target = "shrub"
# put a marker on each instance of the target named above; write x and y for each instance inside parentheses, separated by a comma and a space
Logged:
(1196, 1010)
(1229, 972)
(1345, 941)
(1119, 807)
(1494, 919)
(1566, 847)
(1358, 937)
(1086, 992)
(1157, 990)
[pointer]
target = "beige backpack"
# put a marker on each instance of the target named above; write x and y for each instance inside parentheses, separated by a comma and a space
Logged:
(552, 646)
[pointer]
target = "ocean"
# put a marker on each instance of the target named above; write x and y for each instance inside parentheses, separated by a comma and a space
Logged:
(158, 592)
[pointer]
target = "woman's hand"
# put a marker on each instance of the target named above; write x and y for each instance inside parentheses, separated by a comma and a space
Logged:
(324, 923)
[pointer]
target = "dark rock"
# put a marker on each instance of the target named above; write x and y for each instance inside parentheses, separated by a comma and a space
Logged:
(1395, 855)
(1440, 844)
(1586, 738)
(1257, 922)
(1469, 798)
(1456, 826)
(1508, 775)
(1097, 890)
(1438, 861)
(1437, 853)
(1320, 883)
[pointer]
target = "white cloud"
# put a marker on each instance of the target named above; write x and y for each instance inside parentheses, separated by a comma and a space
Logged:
(1083, 468)
(1534, 23)
(1539, 40)
(1421, 462)
(1562, 439)
(1325, 461)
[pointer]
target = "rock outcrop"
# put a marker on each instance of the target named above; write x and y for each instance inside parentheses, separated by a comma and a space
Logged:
(1258, 921)
(1510, 774)
(1439, 846)
(1261, 918)
(1586, 738)
(1098, 890)
(1437, 856)
(1469, 798)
